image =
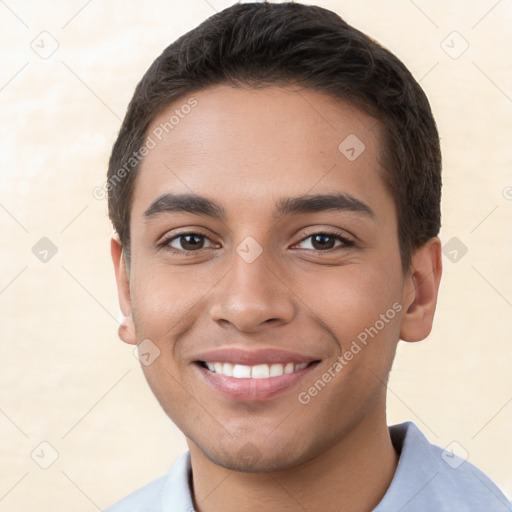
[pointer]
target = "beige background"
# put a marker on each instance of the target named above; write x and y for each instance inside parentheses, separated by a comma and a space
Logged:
(65, 377)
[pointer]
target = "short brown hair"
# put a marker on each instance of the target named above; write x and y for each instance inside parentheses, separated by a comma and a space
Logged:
(257, 44)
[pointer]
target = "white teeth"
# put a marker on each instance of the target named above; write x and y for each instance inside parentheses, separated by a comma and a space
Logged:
(289, 368)
(277, 369)
(259, 371)
(241, 371)
(227, 369)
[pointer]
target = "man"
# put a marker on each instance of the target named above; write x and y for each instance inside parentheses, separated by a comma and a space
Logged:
(275, 192)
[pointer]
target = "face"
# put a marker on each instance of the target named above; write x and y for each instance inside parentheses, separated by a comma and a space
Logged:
(264, 251)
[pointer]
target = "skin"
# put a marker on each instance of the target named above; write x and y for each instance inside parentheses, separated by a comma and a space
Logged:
(246, 149)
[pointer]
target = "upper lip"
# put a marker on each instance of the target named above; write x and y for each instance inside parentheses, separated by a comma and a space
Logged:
(235, 355)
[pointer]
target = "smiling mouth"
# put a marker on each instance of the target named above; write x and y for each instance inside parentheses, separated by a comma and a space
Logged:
(259, 371)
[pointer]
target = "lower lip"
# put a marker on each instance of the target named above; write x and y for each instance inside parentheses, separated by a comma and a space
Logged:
(253, 390)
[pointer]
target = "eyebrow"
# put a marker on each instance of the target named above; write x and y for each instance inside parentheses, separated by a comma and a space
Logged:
(199, 205)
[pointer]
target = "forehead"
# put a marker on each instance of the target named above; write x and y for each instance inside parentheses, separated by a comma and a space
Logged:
(251, 145)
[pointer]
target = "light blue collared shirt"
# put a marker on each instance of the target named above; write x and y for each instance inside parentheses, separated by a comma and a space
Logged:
(427, 479)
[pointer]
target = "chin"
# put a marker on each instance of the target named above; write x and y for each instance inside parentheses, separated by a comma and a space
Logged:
(257, 458)
(261, 465)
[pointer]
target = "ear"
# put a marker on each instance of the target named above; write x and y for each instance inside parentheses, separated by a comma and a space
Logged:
(420, 291)
(126, 329)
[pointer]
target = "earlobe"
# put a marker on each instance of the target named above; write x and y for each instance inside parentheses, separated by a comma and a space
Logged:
(420, 291)
(126, 330)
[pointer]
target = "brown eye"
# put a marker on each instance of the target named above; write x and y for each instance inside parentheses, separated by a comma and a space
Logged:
(187, 242)
(325, 241)
(322, 242)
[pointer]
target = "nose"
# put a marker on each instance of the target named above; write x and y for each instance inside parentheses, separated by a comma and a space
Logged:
(252, 296)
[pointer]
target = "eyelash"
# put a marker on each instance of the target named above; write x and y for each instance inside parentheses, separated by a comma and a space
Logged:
(182, 252)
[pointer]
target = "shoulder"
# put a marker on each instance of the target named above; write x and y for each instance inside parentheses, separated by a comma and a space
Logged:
(167, 492)
(429, 477)
(147, 498)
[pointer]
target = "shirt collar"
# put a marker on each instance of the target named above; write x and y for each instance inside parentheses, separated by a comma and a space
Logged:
(178, 487)
(424, 480)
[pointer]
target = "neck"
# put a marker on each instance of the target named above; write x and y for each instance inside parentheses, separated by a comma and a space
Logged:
(354, 474)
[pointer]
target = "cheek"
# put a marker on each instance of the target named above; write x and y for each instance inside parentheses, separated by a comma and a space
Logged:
(352, 300)
(164, 298)
(362, 312)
